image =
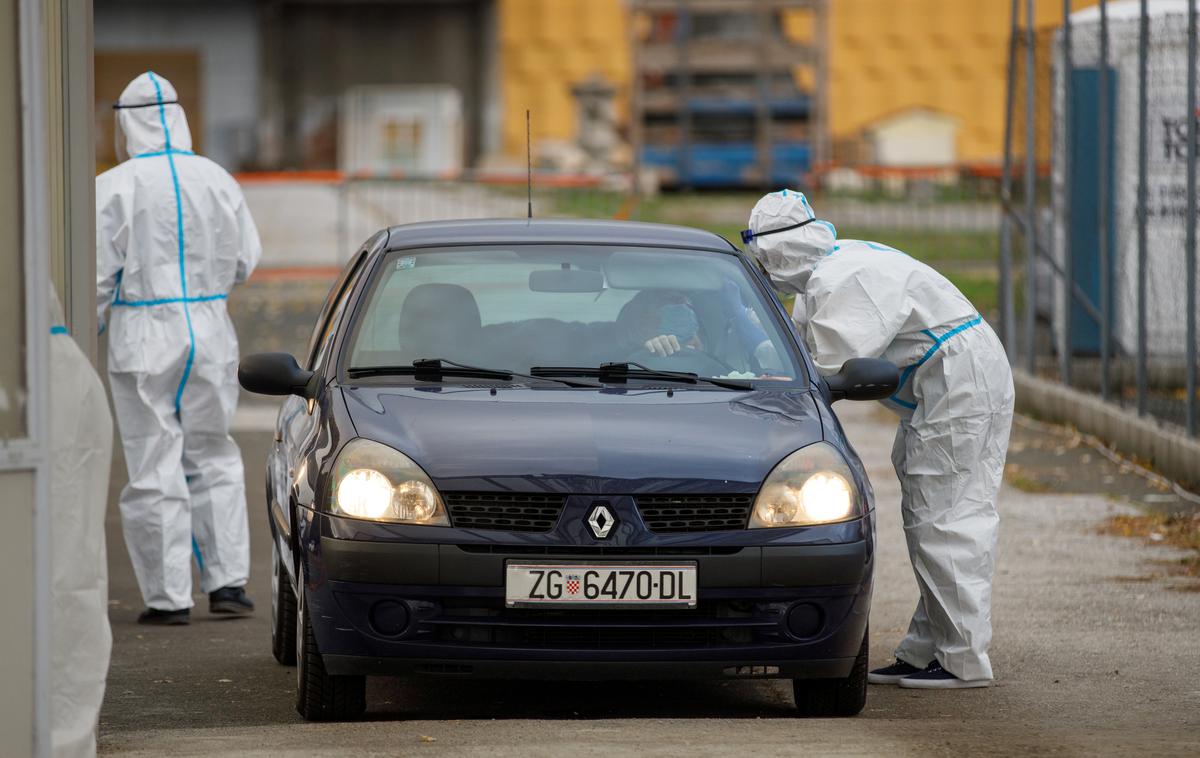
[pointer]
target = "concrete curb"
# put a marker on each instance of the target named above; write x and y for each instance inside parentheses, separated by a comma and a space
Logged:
(1170, 452)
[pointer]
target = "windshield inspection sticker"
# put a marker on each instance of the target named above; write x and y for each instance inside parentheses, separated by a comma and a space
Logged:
(406, 263)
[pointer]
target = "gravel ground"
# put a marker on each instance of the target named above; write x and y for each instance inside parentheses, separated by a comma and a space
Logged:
(1094, 651)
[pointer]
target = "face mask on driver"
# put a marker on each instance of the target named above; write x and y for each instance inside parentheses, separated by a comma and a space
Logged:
(678, 319)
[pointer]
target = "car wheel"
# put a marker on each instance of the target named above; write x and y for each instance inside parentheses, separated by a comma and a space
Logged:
(834, 697)
(283, 611)
(321, 696)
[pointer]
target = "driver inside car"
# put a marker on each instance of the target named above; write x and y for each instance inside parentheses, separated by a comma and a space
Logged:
(667, 317)
(744, 342)
(713, 330)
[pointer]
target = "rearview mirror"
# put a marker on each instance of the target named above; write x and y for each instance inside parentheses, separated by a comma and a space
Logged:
(566, 280)
(275, 374)
(864, 379)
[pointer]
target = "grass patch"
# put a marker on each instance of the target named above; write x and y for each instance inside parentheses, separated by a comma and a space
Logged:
(933, 246)
(1014, 475)
(1178, 530)
(968, 259)
(582, 202)
(983, 292)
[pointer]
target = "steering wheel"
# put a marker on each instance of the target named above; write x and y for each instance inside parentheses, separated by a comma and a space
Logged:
(689, 359)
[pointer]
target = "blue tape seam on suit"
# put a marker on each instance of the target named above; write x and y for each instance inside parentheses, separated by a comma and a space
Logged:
(937, 344)
(196, 553)
(155, 153)
(169, 152)
(183, 270)
(168, 301)
(119, 301)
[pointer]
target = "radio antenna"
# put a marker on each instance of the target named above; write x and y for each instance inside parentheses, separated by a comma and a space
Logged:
(528, 166)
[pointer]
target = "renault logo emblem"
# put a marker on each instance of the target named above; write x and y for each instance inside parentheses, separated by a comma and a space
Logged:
(601, 520)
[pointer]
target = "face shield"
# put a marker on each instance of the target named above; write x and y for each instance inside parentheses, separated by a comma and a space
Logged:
(119, 141)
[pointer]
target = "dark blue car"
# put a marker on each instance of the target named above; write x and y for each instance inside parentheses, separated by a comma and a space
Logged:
(567, 450)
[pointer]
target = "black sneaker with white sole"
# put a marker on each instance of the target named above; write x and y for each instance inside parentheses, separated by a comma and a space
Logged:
(892, 674)
(230, 601)
(934, 677)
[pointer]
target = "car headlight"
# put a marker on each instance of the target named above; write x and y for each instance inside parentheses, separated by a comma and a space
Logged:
(373, 481)
(811, 486)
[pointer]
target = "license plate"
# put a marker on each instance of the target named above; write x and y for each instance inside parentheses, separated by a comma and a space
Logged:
(532, 583)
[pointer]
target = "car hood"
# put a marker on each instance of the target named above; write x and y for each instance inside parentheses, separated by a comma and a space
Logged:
(587, 441)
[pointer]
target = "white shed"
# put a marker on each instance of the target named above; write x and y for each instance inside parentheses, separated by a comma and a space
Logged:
(914, 137)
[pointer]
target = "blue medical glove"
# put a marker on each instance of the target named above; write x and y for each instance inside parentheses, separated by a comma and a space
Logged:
(748, 334)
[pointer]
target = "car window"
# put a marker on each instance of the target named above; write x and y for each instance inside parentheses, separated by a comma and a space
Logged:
(330, 311)
(572, 305)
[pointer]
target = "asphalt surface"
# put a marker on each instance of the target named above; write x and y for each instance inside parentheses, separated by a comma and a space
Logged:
(1094, 651)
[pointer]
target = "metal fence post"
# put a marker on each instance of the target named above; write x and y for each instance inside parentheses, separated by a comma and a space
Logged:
(1143, 57)
(1102, 210)
(1068, 263)
(763, 19)
(1007, 305)
(1190, 250)
(1031, 224)
(343, 218)
(683, 40)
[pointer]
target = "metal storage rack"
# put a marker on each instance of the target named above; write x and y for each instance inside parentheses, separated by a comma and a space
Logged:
(715, 99)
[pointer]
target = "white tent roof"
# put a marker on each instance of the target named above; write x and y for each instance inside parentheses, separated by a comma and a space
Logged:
(1125, 10)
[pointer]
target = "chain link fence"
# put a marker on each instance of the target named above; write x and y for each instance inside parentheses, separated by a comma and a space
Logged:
(1098, 230)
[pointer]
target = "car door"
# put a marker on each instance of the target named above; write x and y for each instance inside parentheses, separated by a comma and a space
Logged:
(299, 419)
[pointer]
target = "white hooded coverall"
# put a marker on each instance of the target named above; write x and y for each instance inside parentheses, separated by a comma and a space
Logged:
(173, 237)
(80, 460)
(857, 299)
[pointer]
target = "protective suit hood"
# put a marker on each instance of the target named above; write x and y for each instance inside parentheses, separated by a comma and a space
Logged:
(789, 257)
(150, 117)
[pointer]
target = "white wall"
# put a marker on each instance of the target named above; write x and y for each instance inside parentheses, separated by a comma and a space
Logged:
(226, 33)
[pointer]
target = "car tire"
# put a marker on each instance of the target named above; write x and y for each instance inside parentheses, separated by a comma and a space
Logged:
(283, 610)
(321, 696)
(833, 698)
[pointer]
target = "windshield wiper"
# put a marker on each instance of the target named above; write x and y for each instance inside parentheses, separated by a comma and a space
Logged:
(432, 369)
(619, 372)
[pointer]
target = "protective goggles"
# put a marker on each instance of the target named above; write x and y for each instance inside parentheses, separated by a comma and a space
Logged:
(749, 234)
(120, 107)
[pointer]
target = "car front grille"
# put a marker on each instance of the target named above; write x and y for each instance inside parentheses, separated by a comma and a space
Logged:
(694, 513)
(712, 625)
(595, 551)
(507, 511)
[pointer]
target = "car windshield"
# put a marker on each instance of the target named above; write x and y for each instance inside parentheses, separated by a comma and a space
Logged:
(557, 306)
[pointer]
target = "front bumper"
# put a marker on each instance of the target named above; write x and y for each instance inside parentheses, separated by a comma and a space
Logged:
(778, 610)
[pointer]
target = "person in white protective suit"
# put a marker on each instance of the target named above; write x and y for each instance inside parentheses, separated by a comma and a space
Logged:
(858, 299)
(173, 237)
(80, 459)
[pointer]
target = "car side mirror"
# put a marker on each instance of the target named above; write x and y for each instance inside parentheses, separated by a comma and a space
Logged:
(864, 379)
(276, 374)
